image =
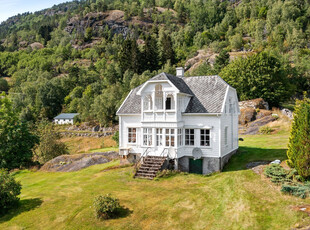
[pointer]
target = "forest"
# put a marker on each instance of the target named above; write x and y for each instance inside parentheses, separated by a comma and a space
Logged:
(85, 56)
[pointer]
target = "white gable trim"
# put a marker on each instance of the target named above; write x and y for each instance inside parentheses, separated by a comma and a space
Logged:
(225, 99)
(117, 112)
(157, 81)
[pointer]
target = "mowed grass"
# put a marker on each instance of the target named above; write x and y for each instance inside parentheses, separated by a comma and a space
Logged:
(234, 199)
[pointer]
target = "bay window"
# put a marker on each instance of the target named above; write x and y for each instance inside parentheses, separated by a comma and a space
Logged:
(170, 138)
(147, 136)
(204, 137)
(190, 137)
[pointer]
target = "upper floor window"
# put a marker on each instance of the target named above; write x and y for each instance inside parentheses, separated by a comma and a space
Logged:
(147, 103)
(190, 137)
(132, 135)
(170, 104)
(204, 137)
(158, 97)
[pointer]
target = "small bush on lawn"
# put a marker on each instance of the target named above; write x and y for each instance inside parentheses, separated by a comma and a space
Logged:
(106, 207)
(298, 190)
(9, 190)
(276, 173)
(265, 130)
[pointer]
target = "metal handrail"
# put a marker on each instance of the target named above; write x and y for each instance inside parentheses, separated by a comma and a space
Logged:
(141, 158)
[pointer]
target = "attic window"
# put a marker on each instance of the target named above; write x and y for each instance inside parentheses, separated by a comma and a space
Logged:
(148, 103)
(170, 105)
(158, 97)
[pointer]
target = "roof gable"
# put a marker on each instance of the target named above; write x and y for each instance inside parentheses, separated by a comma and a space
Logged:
(66, 116)
(208, 94)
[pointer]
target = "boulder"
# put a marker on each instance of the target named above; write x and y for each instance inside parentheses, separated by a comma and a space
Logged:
(257, 103)
(247, 115)
(287, 113)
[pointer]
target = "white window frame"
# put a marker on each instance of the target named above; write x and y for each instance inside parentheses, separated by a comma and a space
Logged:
(205, 137)
(169, 137)
(226, 136)
(190, 137)
(180, 137)
(148, 103)
(159, 137)
(147, 136)
(159, 97)
(172, 101)
(132, 135)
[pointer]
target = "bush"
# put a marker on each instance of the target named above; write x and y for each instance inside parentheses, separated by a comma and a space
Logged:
(167, 173)
(265, 130)
(115, 137)
(9, 190)
(106, 207)
(298, 190)
(276, 173)
(299, 147)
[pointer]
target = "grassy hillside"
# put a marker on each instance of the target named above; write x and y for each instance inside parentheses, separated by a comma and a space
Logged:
(234, 199)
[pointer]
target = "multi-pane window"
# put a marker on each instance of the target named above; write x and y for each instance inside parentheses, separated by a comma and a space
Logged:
(180, 137)
(170, 104)
(147, 136)
(159, 137)
(158, 97)
(189, 137)
(204, 137)
(170, 137)
(226, 135)
(132, 135)
(147, 103)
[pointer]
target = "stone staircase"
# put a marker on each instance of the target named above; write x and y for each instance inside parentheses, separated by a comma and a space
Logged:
(149, 167)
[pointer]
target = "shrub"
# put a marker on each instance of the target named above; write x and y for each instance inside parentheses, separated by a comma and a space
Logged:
(276, 173)
(106, 207)
(299, 148)
(298, 190)
(9, 190)
(115, 137)
(167, 173)
(265, 130)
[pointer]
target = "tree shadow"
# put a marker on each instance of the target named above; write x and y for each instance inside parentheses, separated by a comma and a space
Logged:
(123, 212)
(246, 155)
(24, 205)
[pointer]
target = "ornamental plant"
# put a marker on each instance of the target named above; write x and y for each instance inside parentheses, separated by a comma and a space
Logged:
(106, 207)
(299, 142)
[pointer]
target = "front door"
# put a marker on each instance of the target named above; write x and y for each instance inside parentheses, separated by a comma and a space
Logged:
(195, 166)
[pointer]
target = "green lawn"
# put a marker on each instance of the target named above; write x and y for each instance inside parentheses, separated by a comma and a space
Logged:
(234, 199)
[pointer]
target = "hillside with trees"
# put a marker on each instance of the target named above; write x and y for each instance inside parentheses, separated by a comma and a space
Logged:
(85, 56)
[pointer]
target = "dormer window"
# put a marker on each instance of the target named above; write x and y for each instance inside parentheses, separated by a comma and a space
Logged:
(147, 103)
(170, 103)
(159, 97)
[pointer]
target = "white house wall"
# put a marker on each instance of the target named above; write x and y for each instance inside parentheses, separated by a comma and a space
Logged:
(230, 120)
(202, 122)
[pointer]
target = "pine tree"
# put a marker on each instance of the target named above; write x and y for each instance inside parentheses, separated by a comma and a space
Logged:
(125, 55)
(150, 55)
(167, 50)
(221, 61)
(135, 57)
(299, 143)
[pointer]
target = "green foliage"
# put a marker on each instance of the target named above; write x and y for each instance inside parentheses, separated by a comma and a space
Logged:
(167, 173)
(265, 130)
(276, 173)
(115, 137)
(299, 142)
(16, 140)
(298, 190)
(9, 191)
(106, 207)
(50, 145)
(259, 76)
(4, 86)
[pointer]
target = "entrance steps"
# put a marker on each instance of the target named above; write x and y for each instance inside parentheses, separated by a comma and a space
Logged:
(149, 167)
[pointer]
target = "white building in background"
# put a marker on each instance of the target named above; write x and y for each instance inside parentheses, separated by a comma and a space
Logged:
(65, 118)
(192, 121)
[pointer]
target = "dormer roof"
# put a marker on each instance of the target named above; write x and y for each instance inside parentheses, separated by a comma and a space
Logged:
(207, 94)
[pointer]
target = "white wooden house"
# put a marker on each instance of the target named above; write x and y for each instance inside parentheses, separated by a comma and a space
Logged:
(190, 121)
(65, 118)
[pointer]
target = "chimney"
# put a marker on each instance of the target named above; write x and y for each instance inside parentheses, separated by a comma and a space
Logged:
(180, 72)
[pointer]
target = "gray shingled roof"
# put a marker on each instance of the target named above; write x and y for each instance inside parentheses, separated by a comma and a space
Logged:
(66, 116)
(208, 93)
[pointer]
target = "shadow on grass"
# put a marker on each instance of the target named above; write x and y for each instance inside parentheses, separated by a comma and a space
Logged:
(123, 212)
(246, 155)
(24, 205)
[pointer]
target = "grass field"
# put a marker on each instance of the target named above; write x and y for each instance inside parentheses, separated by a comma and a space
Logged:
(234, 199)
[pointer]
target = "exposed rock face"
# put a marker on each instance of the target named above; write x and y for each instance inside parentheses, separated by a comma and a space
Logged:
(70, 163)
(287, 113)
(258, 103)
(36, 46)
(253, 127)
